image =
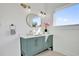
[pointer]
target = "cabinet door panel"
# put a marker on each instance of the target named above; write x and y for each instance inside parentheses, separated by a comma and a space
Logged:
(50, 40)
(33, 46)
(45, 44)
(40, 43)
(37, 45)
(24, 46)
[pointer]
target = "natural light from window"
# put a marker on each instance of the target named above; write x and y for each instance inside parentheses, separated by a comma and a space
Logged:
(67, 16)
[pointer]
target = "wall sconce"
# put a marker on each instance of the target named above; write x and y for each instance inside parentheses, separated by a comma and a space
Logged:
(42, 13)
(27, 7)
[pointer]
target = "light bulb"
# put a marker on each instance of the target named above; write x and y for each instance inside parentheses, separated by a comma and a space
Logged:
(29, 8)
(44, 14)
(41, 13)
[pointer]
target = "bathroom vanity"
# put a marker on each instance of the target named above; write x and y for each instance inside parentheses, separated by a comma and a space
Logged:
(32, 45)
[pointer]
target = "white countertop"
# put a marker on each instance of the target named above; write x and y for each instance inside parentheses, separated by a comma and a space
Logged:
(31, 36)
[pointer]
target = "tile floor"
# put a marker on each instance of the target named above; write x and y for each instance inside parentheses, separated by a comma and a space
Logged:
(50, 53)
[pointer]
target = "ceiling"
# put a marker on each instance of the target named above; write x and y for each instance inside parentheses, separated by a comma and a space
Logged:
(56, 6)
(49, 7)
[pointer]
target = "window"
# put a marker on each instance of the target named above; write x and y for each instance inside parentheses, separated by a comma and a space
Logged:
(67, 16)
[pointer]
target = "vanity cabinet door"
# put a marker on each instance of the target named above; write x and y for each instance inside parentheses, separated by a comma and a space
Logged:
(50, 41)
(32, 46)
(36, 45)
(45, 44)
(24, 46)
(40, 43)
(28, 46)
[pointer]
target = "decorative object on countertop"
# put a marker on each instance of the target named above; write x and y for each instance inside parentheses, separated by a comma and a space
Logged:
(46, 27)
(37, 30)
(12, 29)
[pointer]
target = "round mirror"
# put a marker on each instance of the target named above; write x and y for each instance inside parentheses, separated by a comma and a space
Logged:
(33, 20)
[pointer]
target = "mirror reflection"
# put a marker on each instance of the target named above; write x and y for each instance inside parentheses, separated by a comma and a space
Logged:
(33, 20)
(36, 21)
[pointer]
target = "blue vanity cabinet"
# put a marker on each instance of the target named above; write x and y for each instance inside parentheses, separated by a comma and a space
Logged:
(32, 46)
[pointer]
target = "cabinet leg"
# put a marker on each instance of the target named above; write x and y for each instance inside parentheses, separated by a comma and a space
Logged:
(21, 54)
(51, 48)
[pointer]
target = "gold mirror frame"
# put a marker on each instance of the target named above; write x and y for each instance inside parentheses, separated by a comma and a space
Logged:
(29, 19)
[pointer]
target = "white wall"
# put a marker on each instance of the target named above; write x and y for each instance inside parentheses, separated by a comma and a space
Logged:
(66, 39)
(13, 14)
